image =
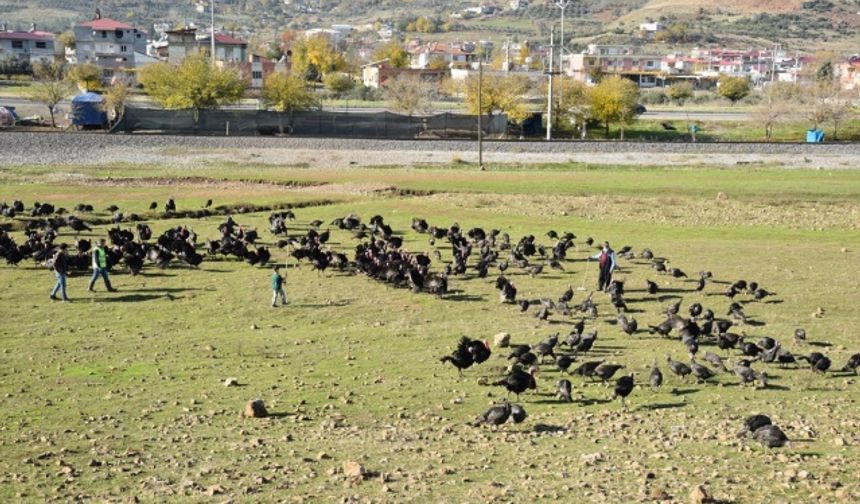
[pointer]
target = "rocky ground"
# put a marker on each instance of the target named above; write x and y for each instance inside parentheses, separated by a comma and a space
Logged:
(96, 148)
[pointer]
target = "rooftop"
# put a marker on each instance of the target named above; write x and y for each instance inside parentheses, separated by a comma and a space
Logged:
(105, 24)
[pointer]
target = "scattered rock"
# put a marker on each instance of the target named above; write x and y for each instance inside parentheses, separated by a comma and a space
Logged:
(214, 490)
(323, 456)
(700, 495)
(839, 441)
(721, 196)
(502, 340)
(254, 327)
(353, 470)
(256, 409)
(231, 382)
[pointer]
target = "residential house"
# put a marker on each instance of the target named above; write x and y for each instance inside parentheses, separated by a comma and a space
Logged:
(184, 42)
(453, 54)
(376, 74)
(849, 73)
(113, 46)
(31, 45)
(649, 31)
(643, 69)
(256, 69)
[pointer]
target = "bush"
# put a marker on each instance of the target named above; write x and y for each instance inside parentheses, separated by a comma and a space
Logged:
(654, 98)
(364, 93)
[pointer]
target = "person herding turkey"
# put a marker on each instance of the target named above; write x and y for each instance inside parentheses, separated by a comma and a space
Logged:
(278, 287)
(100, 266)
(60, 265)
(607, 264)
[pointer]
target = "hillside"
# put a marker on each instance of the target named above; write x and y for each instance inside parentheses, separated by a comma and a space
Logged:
(809, 25)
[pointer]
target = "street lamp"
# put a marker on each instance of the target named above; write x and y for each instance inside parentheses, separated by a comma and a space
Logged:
(561, 4)
(212, 32)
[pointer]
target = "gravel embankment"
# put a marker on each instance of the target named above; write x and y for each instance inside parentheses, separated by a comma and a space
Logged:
(21, 148)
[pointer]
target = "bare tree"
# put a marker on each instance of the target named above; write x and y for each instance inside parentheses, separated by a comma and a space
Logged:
(774, 106)
(409, 94)
(50, 92)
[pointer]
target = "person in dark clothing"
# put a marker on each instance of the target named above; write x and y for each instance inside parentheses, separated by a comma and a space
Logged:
(100, 266)
(60, 265)
(606, 263)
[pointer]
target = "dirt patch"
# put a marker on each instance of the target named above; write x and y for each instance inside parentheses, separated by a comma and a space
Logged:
(666, 210)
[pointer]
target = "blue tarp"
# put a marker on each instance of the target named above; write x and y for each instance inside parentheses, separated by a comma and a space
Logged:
(814, 136)
(87, 110)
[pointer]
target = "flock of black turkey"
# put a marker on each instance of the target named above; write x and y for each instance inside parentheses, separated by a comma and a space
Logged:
(380, 255)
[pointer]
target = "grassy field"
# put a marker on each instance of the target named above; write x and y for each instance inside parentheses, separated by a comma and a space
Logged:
(119, 395)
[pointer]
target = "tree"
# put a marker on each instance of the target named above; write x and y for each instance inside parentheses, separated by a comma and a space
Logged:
(824, 72)
(409, 94)
(338, 83)
(503, 95)
(573, 103)
(67, 39)
(287, 93)
(615, 99)
(733, 88)
(54, 70)
(316, 56)
(192, 84)
(437, 63)
(50, 92)
(825, 102)
(680, 92)
(86, 76)
(393, 52)
(773, 107)
(114, 100)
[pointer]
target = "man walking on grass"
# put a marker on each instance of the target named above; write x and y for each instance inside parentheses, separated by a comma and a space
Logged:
(278, 287)
(60, 265)
(606, 264)
(100, 266)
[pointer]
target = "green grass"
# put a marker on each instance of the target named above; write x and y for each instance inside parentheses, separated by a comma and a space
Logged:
(133, 380)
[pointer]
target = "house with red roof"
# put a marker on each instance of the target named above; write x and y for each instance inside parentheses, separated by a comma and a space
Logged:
(114, 46)
(31, 45)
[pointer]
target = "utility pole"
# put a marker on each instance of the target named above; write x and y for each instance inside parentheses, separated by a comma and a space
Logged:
(481, 114)
(549, 92)
(212, 34)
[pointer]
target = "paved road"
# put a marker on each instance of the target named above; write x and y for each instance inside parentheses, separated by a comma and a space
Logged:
(660, 115)
(678, 115)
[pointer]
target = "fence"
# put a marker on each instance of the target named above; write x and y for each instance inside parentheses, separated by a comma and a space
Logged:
(308, 123)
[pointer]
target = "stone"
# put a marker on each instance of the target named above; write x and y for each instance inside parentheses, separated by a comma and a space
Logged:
(256, 409)
(721, 196)
(231, 382)
(700, 495)
(353, 469)
(502, 340)
(839, 441)
(214, 490)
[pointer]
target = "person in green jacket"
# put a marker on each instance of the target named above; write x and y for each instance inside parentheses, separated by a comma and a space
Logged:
(100, 266)
(278, 287)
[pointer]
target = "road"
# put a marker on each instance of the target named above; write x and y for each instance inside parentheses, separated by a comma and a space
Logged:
(26, 107)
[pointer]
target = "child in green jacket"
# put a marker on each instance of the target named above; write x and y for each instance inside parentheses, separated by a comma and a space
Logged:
(278, 287)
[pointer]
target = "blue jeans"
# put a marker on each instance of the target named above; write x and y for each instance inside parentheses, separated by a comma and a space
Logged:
(100, 272)
(60, 285)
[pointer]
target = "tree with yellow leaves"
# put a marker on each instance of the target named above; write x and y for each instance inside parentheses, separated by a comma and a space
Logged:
(287, 93)
(614, 99)
(393, 52)
(194, 84)
(498, 95)
(316, 56)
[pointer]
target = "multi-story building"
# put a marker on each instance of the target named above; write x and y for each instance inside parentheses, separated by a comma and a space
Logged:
(113, 46)
(184, 42)
(31, 46)
(454, 54)
(643, 69)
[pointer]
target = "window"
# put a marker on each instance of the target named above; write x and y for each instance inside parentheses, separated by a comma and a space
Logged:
(17, 44)
(123, 48)
(256, 74)
(118, 34)
(41, 45)
(104, 34)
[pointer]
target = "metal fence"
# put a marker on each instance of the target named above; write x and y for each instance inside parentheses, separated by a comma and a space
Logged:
(308, 123)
